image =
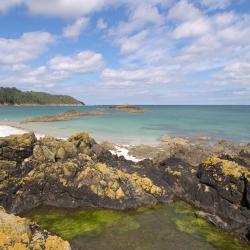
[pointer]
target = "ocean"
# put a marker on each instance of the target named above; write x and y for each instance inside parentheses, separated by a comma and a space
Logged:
(217, 122)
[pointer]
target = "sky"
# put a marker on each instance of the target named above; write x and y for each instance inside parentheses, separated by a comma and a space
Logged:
(128, 51)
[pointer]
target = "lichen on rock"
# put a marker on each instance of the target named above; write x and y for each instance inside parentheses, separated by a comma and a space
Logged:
(230, 168)
(21, 234)
(78, 172)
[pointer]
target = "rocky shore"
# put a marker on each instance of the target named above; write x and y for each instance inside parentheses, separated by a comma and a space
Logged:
(128, 108)
(79, 172)
(64, 116)
(71, 114)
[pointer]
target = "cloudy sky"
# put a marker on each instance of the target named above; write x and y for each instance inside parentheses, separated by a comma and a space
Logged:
(128, 51)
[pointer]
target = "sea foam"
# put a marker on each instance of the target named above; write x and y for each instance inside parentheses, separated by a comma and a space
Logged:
(8, 130)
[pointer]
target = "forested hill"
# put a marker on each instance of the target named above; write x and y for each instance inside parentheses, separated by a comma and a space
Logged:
(13, 96)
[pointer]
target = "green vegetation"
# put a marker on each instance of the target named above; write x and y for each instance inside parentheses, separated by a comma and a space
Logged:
(13, 96)
(73, 223)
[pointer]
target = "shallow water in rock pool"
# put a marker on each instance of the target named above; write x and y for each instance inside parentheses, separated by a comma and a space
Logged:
(172, 226)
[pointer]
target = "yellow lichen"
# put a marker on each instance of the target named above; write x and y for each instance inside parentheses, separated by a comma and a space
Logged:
(16, 234)
(230, 168)
(173, 172)
(102, 167)
(106, 181)
(56, 243)
(119, 194)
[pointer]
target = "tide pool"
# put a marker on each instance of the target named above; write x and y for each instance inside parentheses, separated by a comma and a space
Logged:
(172, 226)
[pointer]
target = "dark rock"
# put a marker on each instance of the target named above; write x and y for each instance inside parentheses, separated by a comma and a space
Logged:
(16, 147)
(76, 173)
(218, 186)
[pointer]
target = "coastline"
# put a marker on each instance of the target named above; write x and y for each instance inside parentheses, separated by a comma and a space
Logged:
(178, 168)
(6, 130)
(119, 150)
(231, 124)
(198, 147)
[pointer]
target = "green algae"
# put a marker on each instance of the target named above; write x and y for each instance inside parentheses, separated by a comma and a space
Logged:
(172, 226)
(189, 223)
(73, 223)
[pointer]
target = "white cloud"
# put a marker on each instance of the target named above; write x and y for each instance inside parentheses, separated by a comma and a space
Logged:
(57, 70)
(225, 19)
(101, 24)
(140, 14)
(235, 73)
(7, 4)
(193, 28)
(183, 11)
(26, 48)
(216, 4)
(66, 8)
(235, 34)
(147, 12)
(21, 74)
(131, 77)
(74, 30)
(132, 43)
(83, 62)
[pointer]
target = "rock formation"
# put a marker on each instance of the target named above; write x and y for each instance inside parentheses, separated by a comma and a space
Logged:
(78, 172)
(64, 116)
(70, 173)
(128, 108)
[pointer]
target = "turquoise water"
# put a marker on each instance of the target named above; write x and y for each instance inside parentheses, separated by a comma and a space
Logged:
(218, 122)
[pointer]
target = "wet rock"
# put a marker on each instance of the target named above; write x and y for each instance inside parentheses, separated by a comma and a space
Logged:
(218, 186)
(64, 116)
(213, 219)
(174, 140)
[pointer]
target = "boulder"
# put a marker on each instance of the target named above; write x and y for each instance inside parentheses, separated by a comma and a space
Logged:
(17, 147)
(21, 233)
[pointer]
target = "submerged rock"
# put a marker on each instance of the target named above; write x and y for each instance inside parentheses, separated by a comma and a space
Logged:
(64, 116)
(212, 219)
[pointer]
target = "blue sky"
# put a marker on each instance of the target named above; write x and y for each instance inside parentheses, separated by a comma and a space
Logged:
(128, 51)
